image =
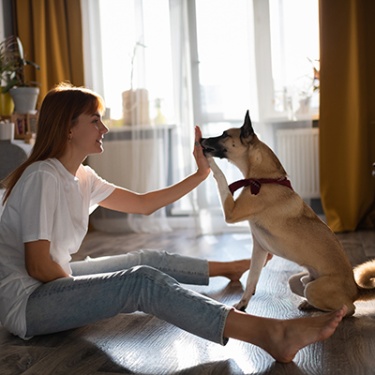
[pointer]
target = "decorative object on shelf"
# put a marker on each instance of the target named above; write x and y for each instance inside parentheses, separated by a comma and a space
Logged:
(12, 74)
(135, 102)
(159, 119)
(6, 131)
(135, 106)
(6, 104)
(25, 125)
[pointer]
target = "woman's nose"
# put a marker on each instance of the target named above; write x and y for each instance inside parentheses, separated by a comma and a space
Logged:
(104, 128)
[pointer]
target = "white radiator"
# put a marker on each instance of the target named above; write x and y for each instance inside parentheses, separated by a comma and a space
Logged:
(298, 151)
(137, 159)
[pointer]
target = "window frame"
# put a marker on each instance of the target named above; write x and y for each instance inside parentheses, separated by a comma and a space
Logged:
(261, 86)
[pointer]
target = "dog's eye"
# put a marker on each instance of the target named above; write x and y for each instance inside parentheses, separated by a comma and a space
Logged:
(225, 135)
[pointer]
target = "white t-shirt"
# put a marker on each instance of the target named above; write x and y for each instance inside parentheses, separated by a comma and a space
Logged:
(47, 203)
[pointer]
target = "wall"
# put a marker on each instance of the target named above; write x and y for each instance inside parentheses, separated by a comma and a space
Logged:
(6, 18)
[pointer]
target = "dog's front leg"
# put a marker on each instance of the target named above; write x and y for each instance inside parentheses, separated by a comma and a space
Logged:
(258, 260)
(226, 197)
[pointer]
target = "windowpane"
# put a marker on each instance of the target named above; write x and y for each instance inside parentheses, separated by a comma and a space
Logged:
(142, 35)
(224, 63)
(117, 44)
(295, 50)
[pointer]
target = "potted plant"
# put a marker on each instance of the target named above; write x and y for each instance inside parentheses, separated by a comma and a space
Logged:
(6, 77)
(12, 73)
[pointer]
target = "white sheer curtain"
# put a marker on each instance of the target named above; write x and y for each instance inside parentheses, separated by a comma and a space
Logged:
(150, 99)
(139, 142)
(202, 205)
(149, 141)
(144, 63)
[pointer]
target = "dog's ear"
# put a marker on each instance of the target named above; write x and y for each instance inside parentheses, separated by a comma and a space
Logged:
(247, 128)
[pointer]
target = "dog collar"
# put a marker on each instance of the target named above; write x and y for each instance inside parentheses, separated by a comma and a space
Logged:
(256, 183)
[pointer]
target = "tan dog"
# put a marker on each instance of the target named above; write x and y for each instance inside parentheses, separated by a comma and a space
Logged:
(283, 224)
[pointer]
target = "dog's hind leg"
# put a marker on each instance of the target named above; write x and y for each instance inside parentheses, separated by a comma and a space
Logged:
(328, 294)
(297, 283)
(258, 261)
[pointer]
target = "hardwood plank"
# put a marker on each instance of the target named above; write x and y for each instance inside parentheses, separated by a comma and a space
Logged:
(353, 246)
(17, 359)
(368, 242)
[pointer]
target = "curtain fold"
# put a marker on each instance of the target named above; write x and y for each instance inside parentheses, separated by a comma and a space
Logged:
(51, 34)
(137, 152)
(347, 113)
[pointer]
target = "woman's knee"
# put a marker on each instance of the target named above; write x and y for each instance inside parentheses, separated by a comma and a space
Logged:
(147, 273)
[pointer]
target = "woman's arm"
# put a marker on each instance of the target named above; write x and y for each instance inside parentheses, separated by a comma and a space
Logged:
(39, 263)
(127, 201)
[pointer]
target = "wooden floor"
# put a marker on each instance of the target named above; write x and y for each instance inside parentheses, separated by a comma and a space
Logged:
(141, 344)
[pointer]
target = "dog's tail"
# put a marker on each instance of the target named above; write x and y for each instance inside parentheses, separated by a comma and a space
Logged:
(364, 275)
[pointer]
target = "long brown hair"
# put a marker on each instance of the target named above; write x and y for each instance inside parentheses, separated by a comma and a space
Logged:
(58, 114)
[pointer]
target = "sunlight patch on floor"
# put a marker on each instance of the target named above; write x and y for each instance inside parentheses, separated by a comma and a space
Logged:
(185, 355)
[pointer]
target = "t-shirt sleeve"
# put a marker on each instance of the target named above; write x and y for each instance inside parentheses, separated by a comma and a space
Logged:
(38, 202)
(99, 187)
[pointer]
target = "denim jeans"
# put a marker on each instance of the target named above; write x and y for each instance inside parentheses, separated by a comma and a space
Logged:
(144, 280)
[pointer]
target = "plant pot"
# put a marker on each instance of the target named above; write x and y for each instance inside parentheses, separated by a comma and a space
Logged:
(6, 104)
(24, 98)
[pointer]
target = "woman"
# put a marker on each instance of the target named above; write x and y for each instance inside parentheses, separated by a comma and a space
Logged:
(45, 219)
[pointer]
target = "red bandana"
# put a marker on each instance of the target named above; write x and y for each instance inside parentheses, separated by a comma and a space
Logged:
(256, 183)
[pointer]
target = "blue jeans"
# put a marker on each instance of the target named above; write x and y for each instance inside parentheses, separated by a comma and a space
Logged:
(144, 280)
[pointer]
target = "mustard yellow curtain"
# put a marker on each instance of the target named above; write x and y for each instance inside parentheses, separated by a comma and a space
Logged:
(51, 34)
(347, 113)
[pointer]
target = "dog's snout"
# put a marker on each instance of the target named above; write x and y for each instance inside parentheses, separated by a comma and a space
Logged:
(203, 142)
(212, 147)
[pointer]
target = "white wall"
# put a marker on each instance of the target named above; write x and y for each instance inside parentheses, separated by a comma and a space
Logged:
(1, 21)
(6, 18)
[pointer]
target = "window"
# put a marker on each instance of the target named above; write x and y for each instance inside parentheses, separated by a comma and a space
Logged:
(294, 27)
(265, 64)
(224, 53)
(133, 50)
(255, 54)
(204, 62)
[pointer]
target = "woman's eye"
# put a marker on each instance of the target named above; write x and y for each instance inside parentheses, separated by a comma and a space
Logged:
(96, 124)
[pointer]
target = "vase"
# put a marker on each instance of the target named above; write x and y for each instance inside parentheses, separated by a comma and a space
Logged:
(25, 99)
(135, 107)
(6, 104)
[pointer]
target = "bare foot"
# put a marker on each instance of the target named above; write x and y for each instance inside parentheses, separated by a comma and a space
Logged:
(232, 270)
(287, 337)
(236, 269)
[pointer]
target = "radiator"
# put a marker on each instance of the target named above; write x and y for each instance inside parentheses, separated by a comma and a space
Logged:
(298, 151)
(137, 159)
